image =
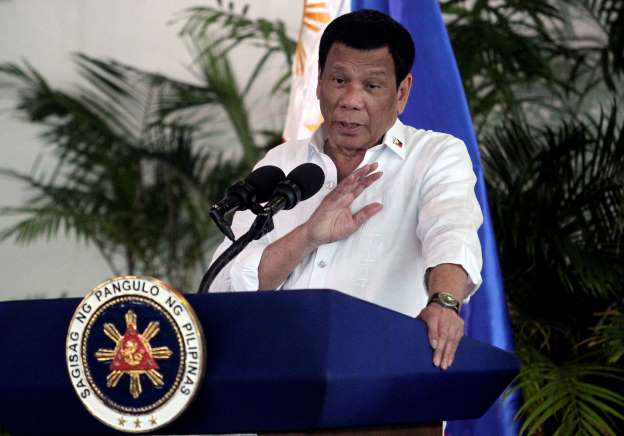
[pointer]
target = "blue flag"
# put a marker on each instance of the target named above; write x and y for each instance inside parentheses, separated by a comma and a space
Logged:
(437, 102)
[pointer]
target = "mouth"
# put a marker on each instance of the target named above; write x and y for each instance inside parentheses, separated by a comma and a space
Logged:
(347, 125)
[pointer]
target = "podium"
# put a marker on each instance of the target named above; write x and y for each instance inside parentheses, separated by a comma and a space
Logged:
(283, 361)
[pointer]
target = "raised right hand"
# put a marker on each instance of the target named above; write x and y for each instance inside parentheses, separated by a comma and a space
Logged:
(333, 220)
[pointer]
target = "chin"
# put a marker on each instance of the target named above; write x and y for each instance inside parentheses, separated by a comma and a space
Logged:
(348, 141)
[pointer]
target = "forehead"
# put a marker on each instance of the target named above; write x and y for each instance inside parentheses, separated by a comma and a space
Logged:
(343, 57)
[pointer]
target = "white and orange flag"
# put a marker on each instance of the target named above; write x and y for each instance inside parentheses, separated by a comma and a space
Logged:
(304, 114)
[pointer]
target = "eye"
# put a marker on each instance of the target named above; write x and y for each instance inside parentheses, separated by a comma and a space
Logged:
(338, 80)
(373, 86)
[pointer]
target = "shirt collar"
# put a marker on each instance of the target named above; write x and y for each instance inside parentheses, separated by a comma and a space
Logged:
(317, 142)
(394, 139)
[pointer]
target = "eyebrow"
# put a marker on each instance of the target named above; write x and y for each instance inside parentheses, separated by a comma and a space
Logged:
(372, 72)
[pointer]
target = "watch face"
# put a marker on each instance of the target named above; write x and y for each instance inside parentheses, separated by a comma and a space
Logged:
(448, 299)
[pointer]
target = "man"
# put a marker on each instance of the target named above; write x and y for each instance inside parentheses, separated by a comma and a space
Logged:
(396, 222)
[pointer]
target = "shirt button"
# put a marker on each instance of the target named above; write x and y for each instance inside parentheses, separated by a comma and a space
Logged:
(322, 264)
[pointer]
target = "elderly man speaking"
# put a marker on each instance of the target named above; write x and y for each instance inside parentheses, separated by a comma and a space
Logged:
(396, 221)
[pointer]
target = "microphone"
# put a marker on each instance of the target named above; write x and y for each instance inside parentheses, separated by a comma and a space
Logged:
(300, 184)
(256, 188)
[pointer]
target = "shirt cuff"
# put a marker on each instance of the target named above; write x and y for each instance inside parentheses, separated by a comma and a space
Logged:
(244, 271)
(458, 253)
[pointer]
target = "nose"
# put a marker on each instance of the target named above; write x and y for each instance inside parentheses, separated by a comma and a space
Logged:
(352, 98)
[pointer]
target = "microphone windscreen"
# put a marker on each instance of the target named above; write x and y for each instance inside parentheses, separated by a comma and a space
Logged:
(309, 178)
(264, 180)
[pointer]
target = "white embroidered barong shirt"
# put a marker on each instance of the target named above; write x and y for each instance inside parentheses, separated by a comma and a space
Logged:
(430, 216)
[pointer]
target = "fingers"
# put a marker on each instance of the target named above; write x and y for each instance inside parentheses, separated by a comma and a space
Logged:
(432, 332)
(366, 169)
(350, 193)
(445, 329)
(442, 342)
(358, 180)
(366, 182)
(360, 172)
(362, 180)
(451, 347)
(333, 219)
(366, 212)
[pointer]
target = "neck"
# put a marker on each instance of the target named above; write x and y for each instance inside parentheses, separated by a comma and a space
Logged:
(345, 159)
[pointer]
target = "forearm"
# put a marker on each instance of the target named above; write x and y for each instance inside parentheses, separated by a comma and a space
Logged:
(331, 221)
(449, 278)
(281, 257)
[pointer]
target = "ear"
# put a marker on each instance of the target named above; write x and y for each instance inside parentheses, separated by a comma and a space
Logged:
(318, 83)
(403, 92)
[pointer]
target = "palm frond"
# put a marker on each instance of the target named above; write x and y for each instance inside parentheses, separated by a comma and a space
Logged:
(570, 398)
(124, 175)
(140, 156)
(608, 21)
(228, 28)
(608, 335)
(557, 195)
(534, 59)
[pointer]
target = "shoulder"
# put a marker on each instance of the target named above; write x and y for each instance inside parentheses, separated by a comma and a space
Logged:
(419, 138)
(286, 155)
(432, 145)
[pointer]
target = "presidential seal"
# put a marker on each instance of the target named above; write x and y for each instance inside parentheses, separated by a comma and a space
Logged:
(135, 353)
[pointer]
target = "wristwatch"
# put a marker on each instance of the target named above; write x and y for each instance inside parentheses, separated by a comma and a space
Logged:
(445, 299)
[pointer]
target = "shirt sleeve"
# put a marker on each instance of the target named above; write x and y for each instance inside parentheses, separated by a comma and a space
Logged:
(241, 274)
(449, 214)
